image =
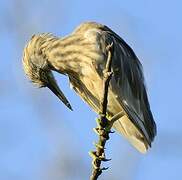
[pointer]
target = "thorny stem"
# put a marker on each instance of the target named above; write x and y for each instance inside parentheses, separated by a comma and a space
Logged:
(104, 125)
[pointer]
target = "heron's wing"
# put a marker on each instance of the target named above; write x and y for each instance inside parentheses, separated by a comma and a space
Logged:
(128, 77)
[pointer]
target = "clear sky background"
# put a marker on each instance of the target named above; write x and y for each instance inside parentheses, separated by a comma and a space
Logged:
(40, 139)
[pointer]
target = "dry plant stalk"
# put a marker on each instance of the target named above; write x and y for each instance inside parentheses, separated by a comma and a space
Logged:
(104, 125)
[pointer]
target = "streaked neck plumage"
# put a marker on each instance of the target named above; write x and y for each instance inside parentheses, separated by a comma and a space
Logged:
(67, 56)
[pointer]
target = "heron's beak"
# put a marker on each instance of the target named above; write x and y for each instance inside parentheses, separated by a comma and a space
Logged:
(52, 85)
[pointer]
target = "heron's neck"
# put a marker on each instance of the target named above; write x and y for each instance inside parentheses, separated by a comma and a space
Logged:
(63, 53)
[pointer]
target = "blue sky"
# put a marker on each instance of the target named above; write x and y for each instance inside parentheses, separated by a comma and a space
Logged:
(40, 139)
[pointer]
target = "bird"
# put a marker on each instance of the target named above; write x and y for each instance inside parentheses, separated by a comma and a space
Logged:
(82, 57)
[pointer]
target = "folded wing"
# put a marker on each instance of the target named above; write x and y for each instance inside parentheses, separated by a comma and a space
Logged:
(130, 85)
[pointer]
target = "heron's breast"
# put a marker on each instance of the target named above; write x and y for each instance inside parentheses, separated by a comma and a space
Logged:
(92, 81)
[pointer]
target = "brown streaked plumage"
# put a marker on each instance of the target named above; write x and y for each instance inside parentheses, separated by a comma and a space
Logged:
(82, 57)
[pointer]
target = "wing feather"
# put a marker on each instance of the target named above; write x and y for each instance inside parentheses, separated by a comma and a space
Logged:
(131, 89)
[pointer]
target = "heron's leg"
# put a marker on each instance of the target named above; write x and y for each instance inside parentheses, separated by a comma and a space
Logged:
(116, 117)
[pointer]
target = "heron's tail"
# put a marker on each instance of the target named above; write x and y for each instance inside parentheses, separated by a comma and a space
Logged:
(125, 127)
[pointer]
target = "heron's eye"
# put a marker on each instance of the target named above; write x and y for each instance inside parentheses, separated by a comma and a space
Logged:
(43, 75)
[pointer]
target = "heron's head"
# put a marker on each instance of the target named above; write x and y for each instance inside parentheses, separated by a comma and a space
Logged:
(37, 68)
